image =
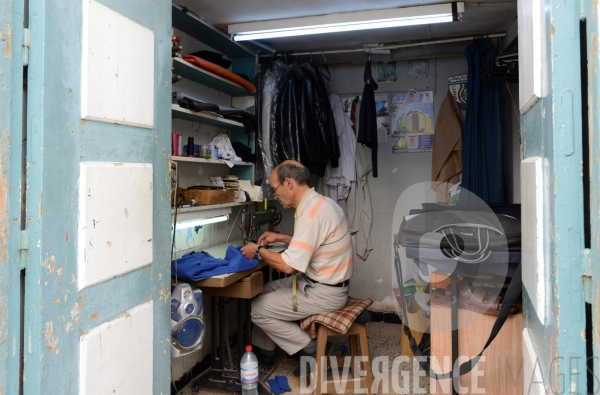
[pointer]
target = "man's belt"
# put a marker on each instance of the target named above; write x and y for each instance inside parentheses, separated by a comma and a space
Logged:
(342, 284)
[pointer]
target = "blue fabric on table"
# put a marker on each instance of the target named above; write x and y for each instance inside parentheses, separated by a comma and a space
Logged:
(200, 265)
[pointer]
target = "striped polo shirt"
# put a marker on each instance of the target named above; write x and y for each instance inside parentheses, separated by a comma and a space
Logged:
(321, 246)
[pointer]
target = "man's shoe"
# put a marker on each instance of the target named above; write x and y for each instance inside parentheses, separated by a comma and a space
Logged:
(265, 358)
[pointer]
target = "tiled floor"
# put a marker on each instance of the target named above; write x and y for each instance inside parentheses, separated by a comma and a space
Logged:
(384, 340)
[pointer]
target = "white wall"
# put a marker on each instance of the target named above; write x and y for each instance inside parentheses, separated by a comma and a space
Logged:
(397, 172)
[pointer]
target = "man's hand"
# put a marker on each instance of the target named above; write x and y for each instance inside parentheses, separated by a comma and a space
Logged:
(268, 237)
(249, 250)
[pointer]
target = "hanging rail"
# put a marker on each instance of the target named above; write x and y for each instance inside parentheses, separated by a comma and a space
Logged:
(422, 43)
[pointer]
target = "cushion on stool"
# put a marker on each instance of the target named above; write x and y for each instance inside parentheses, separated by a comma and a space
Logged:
(340, 320)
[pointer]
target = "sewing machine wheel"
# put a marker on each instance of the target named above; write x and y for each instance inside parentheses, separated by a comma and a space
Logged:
(277, 215)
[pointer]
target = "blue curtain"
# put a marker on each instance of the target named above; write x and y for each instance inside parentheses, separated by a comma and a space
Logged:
(482, 139)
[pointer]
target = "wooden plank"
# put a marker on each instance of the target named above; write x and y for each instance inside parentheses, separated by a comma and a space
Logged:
(225, 280)
(247, 288)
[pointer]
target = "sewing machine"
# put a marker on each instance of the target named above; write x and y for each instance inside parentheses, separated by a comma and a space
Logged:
(254, 224)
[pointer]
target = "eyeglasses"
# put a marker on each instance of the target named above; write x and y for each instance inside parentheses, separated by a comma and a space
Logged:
(273, 190)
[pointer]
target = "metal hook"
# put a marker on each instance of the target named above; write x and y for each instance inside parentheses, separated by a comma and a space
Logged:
(369, 55)
(322, 53)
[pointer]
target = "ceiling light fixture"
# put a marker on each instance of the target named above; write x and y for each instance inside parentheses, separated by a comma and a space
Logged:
(351, 21)
(200, 222)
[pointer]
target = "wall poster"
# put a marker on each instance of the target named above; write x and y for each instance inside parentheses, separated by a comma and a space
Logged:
(382, 109)
(412, 124)
(386, 72)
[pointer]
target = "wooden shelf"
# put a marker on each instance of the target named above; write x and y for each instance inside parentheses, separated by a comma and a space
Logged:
(182, 113)
(210, 161)
(201, 76)
(208, 34)
(209, 207)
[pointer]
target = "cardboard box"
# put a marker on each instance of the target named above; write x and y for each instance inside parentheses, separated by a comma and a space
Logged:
(501, 372)
(210, 196)
(246, 288)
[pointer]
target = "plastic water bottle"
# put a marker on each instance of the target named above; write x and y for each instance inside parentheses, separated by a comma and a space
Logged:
(249, 372)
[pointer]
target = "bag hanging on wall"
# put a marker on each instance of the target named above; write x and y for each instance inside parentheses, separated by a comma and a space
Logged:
(469, 237)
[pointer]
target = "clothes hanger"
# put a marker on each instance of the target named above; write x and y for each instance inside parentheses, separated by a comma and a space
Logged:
(324, 69)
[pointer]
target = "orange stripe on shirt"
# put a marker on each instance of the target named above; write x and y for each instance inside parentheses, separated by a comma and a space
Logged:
(332, 270)
(313, 211)
(302, 245)
(341, 249)
(338, 229)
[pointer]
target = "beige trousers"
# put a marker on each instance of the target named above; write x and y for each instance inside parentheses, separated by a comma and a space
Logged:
(275, 321)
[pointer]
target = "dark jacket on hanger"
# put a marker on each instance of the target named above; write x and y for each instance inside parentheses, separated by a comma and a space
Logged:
(367, 128)
(301, 125)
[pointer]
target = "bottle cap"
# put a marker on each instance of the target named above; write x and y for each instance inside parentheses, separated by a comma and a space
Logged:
(249, 348)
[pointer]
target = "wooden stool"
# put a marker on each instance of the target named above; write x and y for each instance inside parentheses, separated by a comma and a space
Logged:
(358, 338)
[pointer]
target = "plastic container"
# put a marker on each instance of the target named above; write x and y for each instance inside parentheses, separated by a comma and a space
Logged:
(205, 151)
(249, 372)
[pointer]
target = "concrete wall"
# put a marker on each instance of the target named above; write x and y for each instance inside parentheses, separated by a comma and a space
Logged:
(372, 278)
(397, 172)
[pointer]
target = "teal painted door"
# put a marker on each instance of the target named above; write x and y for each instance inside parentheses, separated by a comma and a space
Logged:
(590, 13)
(85, 252)
(557, 273)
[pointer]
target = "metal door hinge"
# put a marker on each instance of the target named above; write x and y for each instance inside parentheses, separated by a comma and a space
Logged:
(26, 46)
(24, 241)
(586, 275)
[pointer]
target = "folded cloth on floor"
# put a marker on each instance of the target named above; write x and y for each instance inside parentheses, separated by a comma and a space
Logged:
(213, 57)
(282, 381)
(218, 70)
(273, 383)
(197, 266)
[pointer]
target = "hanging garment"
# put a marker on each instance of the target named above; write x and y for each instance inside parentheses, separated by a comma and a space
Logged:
(482, 145)
(330, 151)
(284, 144)
(360, 211)
(367, 127)
(446, 158)
(197, 266)
(265, 101)
(337, 181)
(353, 114)
(301, 125)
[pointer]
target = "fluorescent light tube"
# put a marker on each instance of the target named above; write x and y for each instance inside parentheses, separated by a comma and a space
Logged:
(200, 222)
(374, 19)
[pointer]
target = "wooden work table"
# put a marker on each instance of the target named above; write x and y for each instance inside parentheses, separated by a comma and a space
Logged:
(242, 286)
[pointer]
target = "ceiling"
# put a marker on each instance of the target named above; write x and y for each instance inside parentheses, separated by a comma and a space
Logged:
(480, 17)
